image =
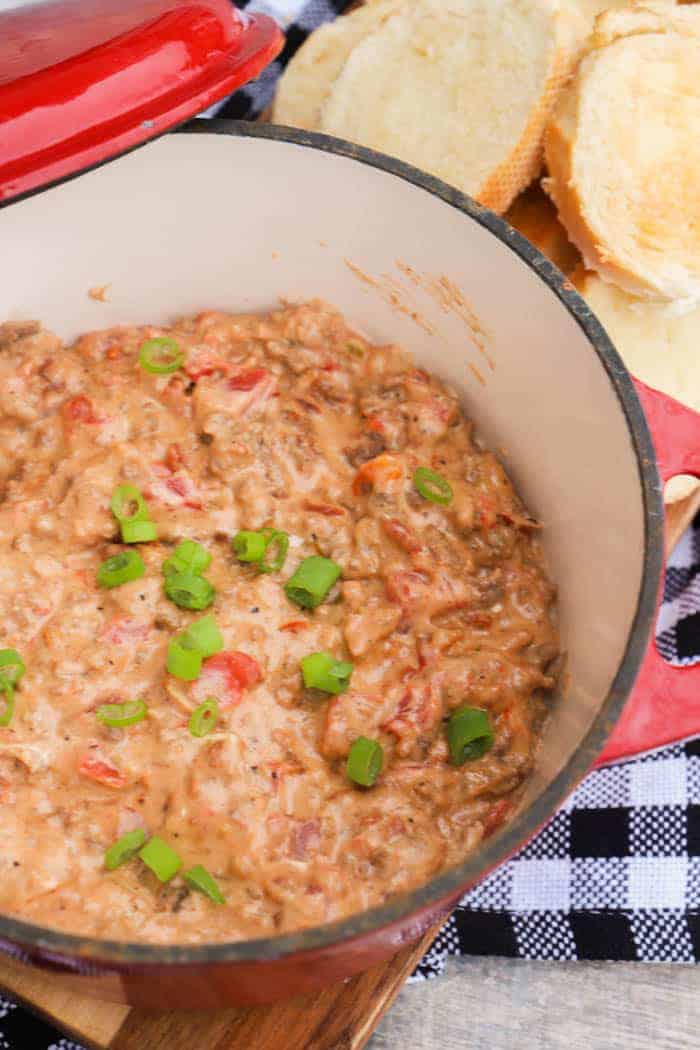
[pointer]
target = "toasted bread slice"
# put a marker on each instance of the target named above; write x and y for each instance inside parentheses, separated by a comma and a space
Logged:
(460, 88)
(305, 83)
(623, 152)
(657, 345)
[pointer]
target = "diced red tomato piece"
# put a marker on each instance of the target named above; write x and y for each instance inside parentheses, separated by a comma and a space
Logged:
(204, 362)
(330, 510)
(248, 379)
(79, 409)
(173, 488)
(226, 676)
(378, 473)
(245, 668)
(496, 816)
(183, 486)
(419, 712)
(407, 587)
(174, 458)
(375, 423)
(294, 626)
(401, 535)
(486, 508)
(101, 772)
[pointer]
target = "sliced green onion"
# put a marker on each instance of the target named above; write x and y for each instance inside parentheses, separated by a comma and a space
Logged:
(278, 542)
(8, 710)
(200, 879)
(322, 671)
(183, 662)
(203, 636)
(189, 591)
(249, 546)
(120, 715)
(121, 568)
(469, 734)
(204, 717)
(253, 547)
(124, 848)
(138, 532)
(12, 666)
(312, 581)
(365, 761)
(189, 557)
(128, 504)
(160, 858)
(432, 486)
(161, 356)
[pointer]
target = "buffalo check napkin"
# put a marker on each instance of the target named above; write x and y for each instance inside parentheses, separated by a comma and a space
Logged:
(616, 873)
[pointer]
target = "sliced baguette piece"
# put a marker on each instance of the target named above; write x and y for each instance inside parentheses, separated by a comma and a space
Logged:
(658, 346)
(459, 88)
(303, 87)
(590, 9)
(623, 152)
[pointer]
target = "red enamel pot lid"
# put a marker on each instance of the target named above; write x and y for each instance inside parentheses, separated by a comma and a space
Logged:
(84, 80)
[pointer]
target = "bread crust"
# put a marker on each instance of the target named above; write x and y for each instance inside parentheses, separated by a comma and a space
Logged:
(648, 272)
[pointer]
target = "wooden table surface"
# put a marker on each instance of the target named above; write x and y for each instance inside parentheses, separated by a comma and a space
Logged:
(505, 1004)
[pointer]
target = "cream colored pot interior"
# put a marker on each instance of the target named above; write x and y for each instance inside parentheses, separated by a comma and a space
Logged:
(212, 221)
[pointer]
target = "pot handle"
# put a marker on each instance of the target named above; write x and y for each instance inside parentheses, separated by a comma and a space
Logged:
(664, 705)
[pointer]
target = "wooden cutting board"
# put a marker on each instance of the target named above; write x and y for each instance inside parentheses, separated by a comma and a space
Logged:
(341, 1017)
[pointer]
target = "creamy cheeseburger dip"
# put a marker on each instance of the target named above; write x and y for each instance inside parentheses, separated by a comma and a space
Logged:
(276, 635)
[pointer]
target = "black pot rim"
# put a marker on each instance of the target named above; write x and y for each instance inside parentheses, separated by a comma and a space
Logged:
(31, 942)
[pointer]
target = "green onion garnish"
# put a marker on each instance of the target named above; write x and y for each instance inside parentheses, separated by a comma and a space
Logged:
(160, 858)
(121, 568)
(11, 666)
(204, 717)
(182, 662)
(128, 504)
(7, 711)
(120, 715)
(278, 543)
(267, 548)
(124, 848)
(203, 636)
(469, 734)
(189, 591)
(138, 532)
(249, 546)
(322, 671)
(188, 557)
(432, 486)
(200, 879)
(365, 761)
(161, 356)
(312, 581)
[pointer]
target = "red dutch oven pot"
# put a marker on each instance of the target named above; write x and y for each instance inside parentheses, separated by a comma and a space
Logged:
(231, 216)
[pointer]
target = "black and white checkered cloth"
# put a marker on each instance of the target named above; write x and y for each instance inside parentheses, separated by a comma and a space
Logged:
(616, 873)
